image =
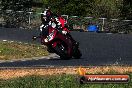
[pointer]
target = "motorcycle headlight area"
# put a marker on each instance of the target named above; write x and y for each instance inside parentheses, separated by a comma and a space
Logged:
(46, 40)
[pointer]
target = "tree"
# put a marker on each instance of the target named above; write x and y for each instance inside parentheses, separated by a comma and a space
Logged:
(16, 5)
(127, 9)
(15, 12)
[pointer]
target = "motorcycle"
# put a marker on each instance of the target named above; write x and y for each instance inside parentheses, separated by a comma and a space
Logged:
(60, 44)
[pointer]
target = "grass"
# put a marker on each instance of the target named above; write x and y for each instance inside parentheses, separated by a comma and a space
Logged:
(15, 50)
(56, 81)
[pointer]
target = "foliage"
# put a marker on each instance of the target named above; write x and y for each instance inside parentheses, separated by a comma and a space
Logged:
(96, 8)
(109, 9)
(16, 5)
(127, 9)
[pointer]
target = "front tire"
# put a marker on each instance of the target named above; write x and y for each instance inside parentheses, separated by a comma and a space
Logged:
(62, 51)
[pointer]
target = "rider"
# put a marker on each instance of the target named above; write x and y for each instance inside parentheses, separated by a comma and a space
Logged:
(45, 18)
(48, 18)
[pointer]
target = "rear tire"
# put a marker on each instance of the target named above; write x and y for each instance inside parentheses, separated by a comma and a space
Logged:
(77, 53)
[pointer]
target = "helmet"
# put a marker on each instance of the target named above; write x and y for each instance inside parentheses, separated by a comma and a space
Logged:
(46, 14)
(47, 8)
(47, 11)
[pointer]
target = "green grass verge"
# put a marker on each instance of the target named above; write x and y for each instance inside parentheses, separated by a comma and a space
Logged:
(15, 50)
(58, 81)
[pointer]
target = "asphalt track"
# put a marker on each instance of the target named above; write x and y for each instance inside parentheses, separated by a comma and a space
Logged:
(97, 49)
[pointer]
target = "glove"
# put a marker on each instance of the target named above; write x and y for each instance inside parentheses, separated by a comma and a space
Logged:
(34, 38)
(64, 32)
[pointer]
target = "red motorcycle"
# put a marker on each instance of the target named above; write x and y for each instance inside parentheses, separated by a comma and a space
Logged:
(60, 44)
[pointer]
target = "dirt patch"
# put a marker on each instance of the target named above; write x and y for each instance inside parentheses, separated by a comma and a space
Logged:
(14, 73)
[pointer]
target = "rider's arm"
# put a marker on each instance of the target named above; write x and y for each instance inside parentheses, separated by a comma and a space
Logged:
(57, 22)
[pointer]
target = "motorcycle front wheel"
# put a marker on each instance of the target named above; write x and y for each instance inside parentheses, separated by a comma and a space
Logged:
(62, 51)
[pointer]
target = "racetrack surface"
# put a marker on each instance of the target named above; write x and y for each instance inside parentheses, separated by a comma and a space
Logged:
(97, 49)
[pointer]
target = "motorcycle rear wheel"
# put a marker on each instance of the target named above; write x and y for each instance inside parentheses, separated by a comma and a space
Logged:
(77, 53)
